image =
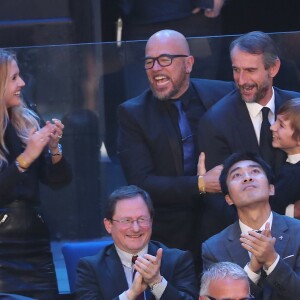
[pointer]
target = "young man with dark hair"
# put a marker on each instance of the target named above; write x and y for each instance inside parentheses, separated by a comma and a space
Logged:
(265, 244)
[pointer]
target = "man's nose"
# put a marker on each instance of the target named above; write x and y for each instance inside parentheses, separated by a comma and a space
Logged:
(135, 225)
(242, 78)
(248, 177)
(156, 65)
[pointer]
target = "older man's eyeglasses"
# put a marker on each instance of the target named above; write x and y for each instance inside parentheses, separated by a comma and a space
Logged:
(128, 222)
(212, 298)
(163, 60)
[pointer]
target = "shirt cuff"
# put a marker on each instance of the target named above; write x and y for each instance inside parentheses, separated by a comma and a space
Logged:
(159, 288)
(272, 267)
(254, 277)
(123, 296)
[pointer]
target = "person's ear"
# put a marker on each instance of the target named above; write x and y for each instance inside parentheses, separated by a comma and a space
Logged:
(189, 64)
(107, 225)
(274, 69)
(228, 200)
(271, 190)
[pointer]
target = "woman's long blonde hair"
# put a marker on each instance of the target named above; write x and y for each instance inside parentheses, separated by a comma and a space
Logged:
(22, 118)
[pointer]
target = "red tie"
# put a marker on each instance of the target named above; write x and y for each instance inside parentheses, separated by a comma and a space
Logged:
(133, 259)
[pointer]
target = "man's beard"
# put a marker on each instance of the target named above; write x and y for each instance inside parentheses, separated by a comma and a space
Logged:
(258, 96)
(166, 96)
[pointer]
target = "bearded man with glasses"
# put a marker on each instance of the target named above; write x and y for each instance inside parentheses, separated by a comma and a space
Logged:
(157, 140)
(135, 267)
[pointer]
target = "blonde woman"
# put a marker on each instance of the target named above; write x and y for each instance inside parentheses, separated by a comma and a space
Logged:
(29, 153)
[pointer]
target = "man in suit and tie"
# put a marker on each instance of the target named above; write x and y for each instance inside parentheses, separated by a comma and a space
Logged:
(265, 244)
(154, 153)
(135, 267)
(236, 122)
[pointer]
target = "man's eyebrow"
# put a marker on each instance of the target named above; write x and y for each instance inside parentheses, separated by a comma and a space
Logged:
(251, 166)
(234, 170)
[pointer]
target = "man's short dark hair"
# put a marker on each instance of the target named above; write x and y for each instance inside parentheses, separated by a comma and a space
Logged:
(127, 192)
(236, 157)
(257, 42)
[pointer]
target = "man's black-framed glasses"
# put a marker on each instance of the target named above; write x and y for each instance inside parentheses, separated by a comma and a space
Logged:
(212, 298)
(163, 60)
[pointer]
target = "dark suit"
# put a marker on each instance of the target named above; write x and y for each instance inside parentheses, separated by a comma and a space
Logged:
(102, 276)
(227, 128)
(150, 151)
(284, 282)
(287, 188)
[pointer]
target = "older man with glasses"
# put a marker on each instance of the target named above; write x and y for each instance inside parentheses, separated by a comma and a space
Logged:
(135, 267)
(225, 281)
(157, 140)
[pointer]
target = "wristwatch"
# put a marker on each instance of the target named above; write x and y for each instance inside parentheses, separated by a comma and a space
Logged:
(58, 153)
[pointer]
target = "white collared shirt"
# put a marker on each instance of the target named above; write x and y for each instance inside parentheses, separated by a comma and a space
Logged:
(254, 277)
(293, 158)
(255, 113)
(126, 260)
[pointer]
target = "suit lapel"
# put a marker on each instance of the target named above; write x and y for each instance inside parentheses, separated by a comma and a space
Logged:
(244, 125)
(235, 251)
(115, 271)
(171, 135)
(280, 232)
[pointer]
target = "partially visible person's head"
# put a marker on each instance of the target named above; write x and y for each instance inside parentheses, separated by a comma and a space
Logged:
(224, 280)
(12, 108)
(286, 129)
(246, 179)
(168, 76)
(11, 83)
(255, 63)
(128, 218)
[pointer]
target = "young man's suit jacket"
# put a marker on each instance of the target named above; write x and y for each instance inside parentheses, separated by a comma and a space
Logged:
(102, 277)
(284, 282)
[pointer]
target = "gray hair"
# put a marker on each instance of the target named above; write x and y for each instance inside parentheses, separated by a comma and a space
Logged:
(220, 271)
(257, 42)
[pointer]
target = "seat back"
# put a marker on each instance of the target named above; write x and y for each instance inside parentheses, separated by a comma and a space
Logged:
(73, 251)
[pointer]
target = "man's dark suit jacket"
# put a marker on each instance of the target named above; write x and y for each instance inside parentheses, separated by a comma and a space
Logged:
(150, 152)
(227, 128)
(102, 277)
(287, 187)
(284, 282)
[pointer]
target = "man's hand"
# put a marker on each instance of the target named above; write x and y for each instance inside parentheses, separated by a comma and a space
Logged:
(211, 12)
(261, 246)
(211, 178)
(149, 267)
(138, 287)
(216, 10)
